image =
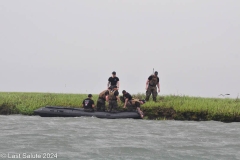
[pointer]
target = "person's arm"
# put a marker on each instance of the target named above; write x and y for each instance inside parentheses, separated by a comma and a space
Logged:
(147, 84)
(107, 98)
(116, 94)
(126, 100)
(83, 104)
(158, 85)
(93, 104)
(118, 83)
(108, 84)
(106, 95)
(118, 99)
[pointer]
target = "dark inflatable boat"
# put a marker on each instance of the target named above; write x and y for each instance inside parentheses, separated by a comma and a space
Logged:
(55, 111)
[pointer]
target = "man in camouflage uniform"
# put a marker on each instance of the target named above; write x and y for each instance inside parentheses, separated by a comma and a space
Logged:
(113, 97)
(151, 86)
(103, 96)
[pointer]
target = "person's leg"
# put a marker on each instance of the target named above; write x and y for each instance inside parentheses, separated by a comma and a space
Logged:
(98, 105)
(115, 106)
(154, 93)
(110, 106)
(103, 106)
(129, 107)
(148, 93)
(140, 112)
(107, 107)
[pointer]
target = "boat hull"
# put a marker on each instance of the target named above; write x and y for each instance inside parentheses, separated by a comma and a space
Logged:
(56, 111)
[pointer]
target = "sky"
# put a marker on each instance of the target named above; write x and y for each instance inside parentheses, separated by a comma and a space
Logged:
(72, 46)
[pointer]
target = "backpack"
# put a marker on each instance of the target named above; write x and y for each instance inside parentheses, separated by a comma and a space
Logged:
(153, 81)
(102, 94)
(111, 95)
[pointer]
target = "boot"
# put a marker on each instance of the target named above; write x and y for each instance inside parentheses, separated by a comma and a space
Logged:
(147, 98)
(155, 99)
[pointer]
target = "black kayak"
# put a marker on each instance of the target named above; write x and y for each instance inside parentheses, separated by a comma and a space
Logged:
(56, 111)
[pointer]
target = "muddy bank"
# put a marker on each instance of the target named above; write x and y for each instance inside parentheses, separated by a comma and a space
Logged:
(8, 108)
(161, 113)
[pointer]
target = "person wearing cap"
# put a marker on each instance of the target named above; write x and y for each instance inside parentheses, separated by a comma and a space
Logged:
(113, 97)
(132, 103)
(88, 104)
(113, 80)
(151, 86)
(102, 98)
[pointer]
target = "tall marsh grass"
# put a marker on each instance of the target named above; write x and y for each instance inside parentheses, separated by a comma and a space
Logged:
(213, 108)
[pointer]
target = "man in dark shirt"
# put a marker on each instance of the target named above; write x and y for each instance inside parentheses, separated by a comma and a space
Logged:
(113, 81)
(88, 104)
(127, 98)
(103, 97)
(132, 103)
(151, 88)
(113, 98)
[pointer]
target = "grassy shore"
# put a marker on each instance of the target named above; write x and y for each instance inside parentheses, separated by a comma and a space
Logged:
(167, 107)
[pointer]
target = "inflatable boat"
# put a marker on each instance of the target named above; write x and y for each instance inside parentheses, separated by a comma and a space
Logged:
(56, 111)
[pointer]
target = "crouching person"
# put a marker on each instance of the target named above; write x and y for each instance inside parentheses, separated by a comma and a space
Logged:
(132, 103)
(136, 103)
(88, 104)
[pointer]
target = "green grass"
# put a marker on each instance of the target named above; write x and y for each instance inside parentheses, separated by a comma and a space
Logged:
(167, 107)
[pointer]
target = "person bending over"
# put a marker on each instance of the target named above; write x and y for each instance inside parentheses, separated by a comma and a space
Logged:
(101, 102)
(132, 103)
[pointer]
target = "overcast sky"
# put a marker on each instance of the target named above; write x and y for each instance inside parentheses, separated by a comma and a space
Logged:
(72, 46)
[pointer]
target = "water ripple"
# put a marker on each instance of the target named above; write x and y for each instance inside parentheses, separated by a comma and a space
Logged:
(93, 138)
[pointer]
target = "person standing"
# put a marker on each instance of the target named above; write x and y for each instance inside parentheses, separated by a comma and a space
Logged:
(113, 80)
(151, 86)
(103, 97)
(113, 98)
(88, 104)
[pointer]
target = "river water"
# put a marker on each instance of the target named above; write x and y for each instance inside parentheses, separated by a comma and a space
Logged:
(34, 137)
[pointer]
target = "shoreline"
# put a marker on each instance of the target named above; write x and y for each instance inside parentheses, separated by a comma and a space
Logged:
(170, 107)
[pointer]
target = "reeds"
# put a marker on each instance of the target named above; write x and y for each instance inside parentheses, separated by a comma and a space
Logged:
(166, 107)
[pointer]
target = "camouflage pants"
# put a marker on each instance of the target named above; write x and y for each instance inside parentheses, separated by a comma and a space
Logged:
(122, 99)
(132, 108)
(101, 105)
(113, 105)
(151, 90)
